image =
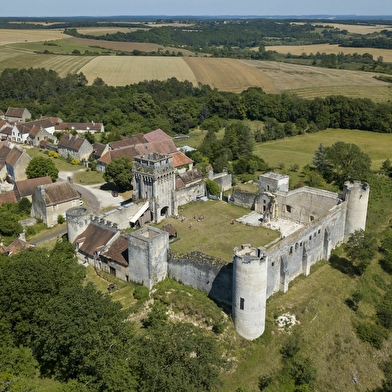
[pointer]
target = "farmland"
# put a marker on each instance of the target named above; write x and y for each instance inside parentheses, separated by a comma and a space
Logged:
(328, 49)
(118, 71)
(225, 74)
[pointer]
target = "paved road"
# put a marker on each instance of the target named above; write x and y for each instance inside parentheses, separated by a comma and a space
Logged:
(56, 232)
(90, 197)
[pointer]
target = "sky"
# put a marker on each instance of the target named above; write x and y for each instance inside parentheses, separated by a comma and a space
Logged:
(195, 7)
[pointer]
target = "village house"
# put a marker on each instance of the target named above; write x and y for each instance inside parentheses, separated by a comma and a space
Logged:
(16, 163)
(91, 127)
(2, 115)
(17, 114)
(74, 147)
(51, 200)
(29, 132)
(156, 141)
(99, 149)
(26, 188)
(4, 151)
(5, 130)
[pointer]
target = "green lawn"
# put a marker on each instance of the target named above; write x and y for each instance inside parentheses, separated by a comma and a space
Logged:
(215, 235)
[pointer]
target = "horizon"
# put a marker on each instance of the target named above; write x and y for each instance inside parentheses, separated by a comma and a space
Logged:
(202, 8)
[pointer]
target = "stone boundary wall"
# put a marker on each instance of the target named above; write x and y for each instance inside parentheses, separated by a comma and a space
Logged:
(188, 194)
(206, 273)
(243, 199)
(295, 254)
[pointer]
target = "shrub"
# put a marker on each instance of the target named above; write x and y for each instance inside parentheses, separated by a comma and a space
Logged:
(141, 293)
(372, 334)
(75, 161)
(30, 231)
(212, 187)
(53, 154)
(60, 219)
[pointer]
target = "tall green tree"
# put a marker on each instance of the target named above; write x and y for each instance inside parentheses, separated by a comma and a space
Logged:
(348, 162)
(119, 171)
(41, 167)
(361, 248)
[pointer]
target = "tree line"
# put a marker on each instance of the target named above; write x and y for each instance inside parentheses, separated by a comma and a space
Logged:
(52, 322)
(178, 106)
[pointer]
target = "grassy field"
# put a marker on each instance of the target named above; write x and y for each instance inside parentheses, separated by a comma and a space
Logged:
(300, 149)
(328, 340)
(328, 49)
(122, 70)
(215, 235)
(128, 46)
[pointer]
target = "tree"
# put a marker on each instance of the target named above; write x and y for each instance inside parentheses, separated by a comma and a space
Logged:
(177, 357)
(212, 187)
(41, 167)
(361, 248)
(119, 171)
(348, 162)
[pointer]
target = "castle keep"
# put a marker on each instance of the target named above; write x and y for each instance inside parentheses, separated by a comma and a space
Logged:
(312, 222)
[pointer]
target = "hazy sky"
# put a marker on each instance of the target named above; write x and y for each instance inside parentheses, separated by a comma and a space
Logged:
(194, 7)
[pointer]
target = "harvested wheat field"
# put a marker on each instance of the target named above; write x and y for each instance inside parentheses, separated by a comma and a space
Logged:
(328, 49)
(122, 70)
(288, 77)
(16, 36)
(357, 29)
(229, 74)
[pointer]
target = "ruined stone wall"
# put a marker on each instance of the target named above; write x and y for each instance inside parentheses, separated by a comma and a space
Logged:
(295, 254)
(203, 272)
(242, 198)
(122, 215)
(186, 195)
(305, 204)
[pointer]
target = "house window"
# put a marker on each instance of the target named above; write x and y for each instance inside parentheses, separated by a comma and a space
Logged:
(55, 207)
(310, 238)
(288, 209)
(242, 303)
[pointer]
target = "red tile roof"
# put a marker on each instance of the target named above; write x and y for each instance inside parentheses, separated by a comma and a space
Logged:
(13, 157)
(16, 246)
(59, 192)
(118, 251)
(15, 112)
(180, 159)
(27, 187)
(156, 136)
(71, 142)
(8, 197)
(95, 237)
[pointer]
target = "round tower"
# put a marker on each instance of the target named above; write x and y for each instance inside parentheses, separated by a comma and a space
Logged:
(249, 291)
(78, 218)
(356, 196)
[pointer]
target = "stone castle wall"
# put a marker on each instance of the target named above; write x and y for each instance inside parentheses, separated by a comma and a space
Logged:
(206, 273)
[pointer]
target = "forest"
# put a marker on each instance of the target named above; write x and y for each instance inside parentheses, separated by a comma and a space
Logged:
(177, 107)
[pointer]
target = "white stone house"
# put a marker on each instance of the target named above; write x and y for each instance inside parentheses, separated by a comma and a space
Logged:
(51, 200)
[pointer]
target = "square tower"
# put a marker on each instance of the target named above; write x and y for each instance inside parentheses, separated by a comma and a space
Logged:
(147, 255)
(154, 181)
(272, 182)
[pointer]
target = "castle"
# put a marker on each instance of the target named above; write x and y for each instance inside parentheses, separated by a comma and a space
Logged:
(318, 221)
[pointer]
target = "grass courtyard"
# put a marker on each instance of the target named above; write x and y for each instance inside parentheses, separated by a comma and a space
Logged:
(215, 235)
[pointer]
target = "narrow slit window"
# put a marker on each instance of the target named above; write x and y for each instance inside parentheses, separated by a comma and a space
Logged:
(242, 303)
